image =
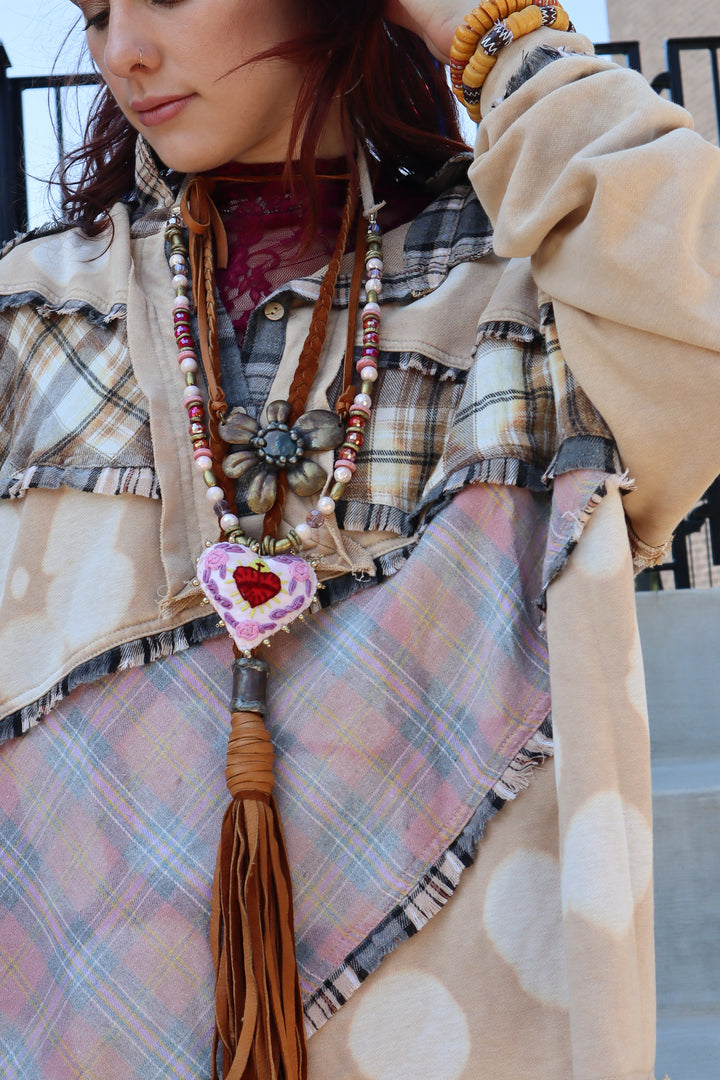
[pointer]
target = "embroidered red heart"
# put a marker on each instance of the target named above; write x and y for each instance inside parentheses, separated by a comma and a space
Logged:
(255, 595)
(256, 586)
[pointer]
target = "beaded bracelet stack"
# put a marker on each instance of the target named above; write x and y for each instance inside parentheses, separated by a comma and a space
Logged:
(488, 28)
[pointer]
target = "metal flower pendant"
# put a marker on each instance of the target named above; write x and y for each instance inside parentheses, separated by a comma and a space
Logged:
(264, 451)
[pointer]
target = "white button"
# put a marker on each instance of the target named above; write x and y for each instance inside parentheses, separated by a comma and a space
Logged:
(274, 311)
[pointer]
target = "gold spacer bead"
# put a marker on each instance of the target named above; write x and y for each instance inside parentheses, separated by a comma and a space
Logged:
(337, 491)
(209, 478)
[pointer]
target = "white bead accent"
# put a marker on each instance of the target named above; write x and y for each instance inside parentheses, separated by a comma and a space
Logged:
(203, 463)
(374, 263)
(326, 505)
(373, 285)
(342, 474)
(214, 494)
(305, 533)
(228, 522)
(368, 374)
(362, 399)
(180, 281)
(188, 364)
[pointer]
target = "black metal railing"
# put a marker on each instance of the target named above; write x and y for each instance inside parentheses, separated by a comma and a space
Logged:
(696, 546)
(674, 49)
(13, 180)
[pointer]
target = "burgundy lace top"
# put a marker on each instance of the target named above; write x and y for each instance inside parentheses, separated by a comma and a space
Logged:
(265, 223)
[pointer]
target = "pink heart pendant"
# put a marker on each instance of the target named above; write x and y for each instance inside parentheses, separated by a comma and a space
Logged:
(255, 595)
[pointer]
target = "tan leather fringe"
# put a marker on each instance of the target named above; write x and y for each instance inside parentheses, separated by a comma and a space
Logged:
(258, 1007)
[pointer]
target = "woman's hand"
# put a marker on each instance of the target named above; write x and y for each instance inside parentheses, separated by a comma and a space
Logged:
(435, 21)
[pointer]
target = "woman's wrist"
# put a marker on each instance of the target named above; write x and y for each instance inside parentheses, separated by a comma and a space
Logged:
(485, 32)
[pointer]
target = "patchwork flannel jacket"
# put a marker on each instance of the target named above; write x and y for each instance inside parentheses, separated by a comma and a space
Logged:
(473, 384)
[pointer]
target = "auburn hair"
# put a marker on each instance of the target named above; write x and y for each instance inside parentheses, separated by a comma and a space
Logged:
(393, 94)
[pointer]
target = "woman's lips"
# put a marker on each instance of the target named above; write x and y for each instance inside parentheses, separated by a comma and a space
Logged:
(154, 111)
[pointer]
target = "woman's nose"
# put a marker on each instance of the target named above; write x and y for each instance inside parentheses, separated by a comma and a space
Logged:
(127, 52)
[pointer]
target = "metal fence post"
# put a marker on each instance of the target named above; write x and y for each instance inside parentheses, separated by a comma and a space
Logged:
(13, 204)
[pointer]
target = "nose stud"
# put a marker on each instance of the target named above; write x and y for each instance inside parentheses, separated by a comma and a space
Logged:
(140, 61)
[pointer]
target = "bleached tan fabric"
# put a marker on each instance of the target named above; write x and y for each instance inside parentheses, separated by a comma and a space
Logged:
(541, 967)
(607, 188)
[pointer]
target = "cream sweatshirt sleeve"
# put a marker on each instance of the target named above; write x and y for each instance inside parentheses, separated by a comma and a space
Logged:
(616, 201)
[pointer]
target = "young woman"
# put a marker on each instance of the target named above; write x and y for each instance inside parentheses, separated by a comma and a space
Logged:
(289, 332)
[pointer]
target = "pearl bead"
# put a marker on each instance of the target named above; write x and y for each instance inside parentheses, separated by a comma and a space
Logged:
(191, 393)
(373, 263)
(180, 281)
(228, 522)
(373, 285)
(203, 462)
(181, 303)
(214, 494)
(342, 474)
(371, 308)
(305, 533)
(326, 505)
(369, 374)
(362, 400)
(188, 364)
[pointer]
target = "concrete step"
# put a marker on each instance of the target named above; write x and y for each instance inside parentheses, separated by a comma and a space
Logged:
(680, 634)
(688, 1046)
(686, 809)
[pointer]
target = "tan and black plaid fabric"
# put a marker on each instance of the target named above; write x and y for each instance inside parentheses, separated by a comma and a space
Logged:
(79, 417)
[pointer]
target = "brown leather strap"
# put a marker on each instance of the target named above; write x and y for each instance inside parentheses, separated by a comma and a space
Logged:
(205, 225)
(310, 356)
(346, 398)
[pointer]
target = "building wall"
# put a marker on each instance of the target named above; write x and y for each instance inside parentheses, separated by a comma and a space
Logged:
(651, 22)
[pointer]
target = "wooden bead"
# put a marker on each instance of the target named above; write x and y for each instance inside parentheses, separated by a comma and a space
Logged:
(462, 53)
(524, 22)
(492, 11)
(465, 36)
(481, 63)
(478, 21)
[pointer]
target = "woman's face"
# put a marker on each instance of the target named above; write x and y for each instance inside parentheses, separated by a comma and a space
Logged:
(185, 91)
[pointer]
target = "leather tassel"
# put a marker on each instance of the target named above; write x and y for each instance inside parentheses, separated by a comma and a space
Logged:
(258, 1007)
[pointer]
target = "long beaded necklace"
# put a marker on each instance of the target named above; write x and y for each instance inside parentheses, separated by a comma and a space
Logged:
(277, 445)
(259, 586)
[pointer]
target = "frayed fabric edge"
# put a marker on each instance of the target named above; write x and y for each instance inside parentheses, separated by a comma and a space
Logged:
(646, 556)
(116, 480)
(432, 892)
(136, 653)
(614, 482)
(115, 313)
